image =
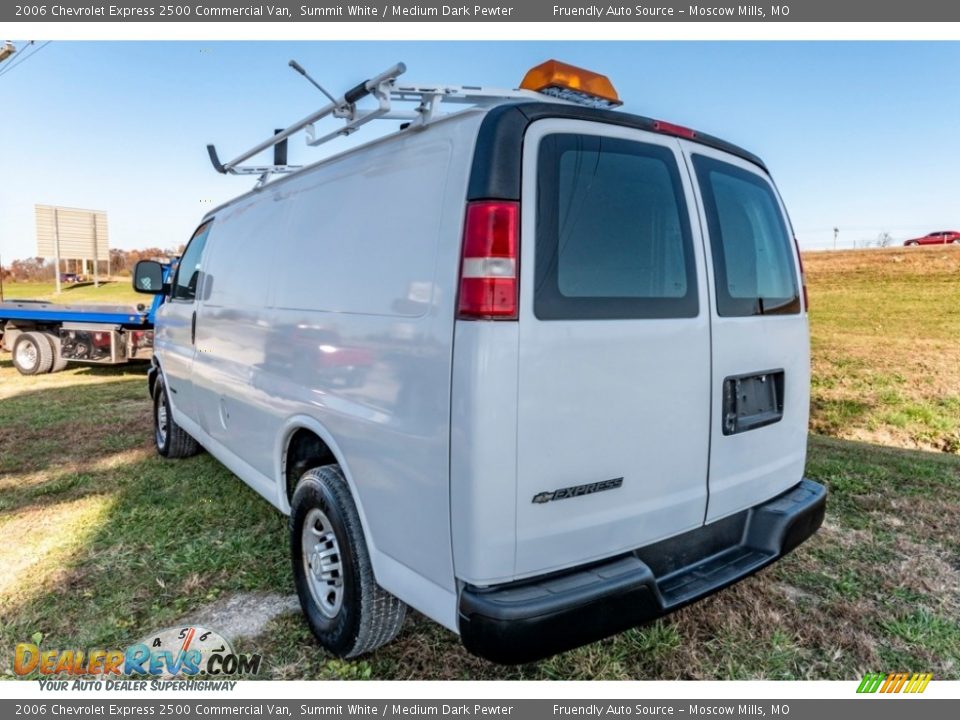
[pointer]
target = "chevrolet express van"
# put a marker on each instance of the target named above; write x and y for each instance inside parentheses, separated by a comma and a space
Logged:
(537, 368)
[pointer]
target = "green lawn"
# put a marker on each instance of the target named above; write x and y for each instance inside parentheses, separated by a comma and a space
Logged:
(885, 326)
(112, 542)
(114, 292)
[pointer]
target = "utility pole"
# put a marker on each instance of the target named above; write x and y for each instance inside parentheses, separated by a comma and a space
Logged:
(56, 245)
(96, 252)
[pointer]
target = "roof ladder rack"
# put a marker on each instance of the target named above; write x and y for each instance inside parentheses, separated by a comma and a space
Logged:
(384, 89)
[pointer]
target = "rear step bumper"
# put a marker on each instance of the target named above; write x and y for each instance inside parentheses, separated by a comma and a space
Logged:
(532, 619)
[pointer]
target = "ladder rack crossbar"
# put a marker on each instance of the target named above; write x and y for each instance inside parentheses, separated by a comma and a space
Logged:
(385, 89)
(347, 100)
(269, 169)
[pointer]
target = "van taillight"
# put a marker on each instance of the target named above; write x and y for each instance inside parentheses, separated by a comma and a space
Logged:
(803, 276)
(488, 273)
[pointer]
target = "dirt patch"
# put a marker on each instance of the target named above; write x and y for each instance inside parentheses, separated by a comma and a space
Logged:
(796, 595)
(243, 615)
(927, 569)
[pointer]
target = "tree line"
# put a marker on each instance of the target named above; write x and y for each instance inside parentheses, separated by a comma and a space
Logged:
(38, 269)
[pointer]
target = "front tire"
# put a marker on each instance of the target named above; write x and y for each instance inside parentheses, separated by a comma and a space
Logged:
(172, 441)
(347, 611)
(32, 354)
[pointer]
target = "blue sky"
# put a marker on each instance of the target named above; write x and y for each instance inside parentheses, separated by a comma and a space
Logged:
(859, 135)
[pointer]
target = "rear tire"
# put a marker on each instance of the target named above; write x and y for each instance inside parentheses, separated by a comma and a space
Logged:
(911, 244)
(347, 611)
(59, 362)
(172, 441)
(32, 354)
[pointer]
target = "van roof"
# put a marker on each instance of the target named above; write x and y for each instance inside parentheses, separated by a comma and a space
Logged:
(495, 173)
(497, 158)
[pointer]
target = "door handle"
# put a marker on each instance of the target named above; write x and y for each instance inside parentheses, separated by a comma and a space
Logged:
(193, 328)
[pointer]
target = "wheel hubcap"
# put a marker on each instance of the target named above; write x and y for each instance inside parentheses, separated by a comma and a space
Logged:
(322, 563)
(162, 419)
(26, 355)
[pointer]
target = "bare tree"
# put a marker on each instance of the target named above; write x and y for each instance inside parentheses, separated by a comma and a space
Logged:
(118, 261)
(32, 269)
(884, 239)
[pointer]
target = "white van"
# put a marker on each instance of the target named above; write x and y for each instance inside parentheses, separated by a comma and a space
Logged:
(537, 369)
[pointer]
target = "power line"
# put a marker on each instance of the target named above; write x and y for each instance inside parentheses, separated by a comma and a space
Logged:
(17, 57)
(21, 56)
(17, 62)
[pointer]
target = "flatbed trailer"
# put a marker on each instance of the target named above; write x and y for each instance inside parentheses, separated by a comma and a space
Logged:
(44, 337)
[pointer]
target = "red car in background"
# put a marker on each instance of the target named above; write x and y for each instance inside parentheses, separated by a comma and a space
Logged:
(941, 237)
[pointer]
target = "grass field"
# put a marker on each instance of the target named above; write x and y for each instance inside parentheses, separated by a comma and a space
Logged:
(885, 329)
(113, 292)
(106, 542)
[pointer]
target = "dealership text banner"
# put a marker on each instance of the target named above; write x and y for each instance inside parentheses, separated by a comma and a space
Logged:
(491, 11)
(187, 709)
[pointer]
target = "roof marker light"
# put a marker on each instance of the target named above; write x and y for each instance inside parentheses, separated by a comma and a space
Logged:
(569, 82)
(668, 128)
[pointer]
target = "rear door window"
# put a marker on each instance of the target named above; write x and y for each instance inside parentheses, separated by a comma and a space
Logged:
(751, 246)
(613, 234)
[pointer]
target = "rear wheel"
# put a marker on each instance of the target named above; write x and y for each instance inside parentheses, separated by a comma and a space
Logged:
(172, 440)
(912, 243)
(347, 611)
(59, 362)
(32, 354)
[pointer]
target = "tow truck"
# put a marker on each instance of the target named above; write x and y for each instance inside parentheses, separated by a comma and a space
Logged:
(44, 337)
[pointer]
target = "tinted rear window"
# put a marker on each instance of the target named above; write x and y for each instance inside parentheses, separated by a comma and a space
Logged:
(613, 231)
(752, 248)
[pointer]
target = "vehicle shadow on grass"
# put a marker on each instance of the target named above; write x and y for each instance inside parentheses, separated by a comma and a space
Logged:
(138, 369)
(877, 587)
(83, 370)
(46, 423)
(125, 543)
(130, 549)
(87, 284)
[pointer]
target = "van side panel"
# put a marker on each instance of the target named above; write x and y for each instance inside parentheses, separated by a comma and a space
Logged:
(362, 260)
(358, 279)
(483, 451)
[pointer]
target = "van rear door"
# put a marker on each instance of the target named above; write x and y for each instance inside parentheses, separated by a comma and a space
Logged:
(761, 354)
(614, 345)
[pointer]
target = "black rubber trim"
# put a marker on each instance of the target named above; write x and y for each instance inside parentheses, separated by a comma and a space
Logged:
(532, 619)
(214, 160)
(357, 92)
(498, 155)
(152, 375)
(280, 150)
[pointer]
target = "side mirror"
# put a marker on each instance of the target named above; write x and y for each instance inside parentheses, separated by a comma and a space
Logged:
(148, 277)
